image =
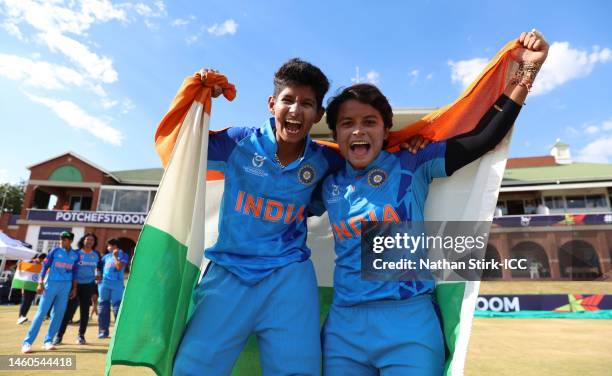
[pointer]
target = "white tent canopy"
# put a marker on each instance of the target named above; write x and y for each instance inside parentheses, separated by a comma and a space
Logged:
(13, 249)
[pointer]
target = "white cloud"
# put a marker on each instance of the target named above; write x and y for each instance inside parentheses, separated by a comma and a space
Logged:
(97, 67)
(562, 65)
(466, 71)
(54, 16)
(571, 131)
(598, 151)
(146, 11)
(429, 76)
(107, 103)
(227, 27)
(78, 118)
(127, 105)
(591, 129)
(13, 30)
(192, 39)
(39, 74)
(565, 63)
(373, 77)
(607, 125)
(180, 22)
(414, 76)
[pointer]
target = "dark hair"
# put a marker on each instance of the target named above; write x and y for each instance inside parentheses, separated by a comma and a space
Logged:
(297, 72)
(42, 256)
(113, 241)
(81, 242)
(364, 93)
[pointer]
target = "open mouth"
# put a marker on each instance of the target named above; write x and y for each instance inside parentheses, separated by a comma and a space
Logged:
(293, 126)
(360, 148)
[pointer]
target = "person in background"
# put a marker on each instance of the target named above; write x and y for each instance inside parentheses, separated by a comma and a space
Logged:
(27, 296)
(62, 267)
(86, 287)
(110, 289)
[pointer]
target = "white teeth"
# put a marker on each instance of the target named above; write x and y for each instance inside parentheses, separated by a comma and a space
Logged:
(354, 143)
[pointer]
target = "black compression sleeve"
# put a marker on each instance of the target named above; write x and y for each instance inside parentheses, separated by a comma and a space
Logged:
(491, 129)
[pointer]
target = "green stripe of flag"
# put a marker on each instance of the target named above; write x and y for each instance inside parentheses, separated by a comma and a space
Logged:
(26, 285)
(450, 300)
(155, 303)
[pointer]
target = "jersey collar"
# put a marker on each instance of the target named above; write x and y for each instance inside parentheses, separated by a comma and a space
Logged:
(270, 146)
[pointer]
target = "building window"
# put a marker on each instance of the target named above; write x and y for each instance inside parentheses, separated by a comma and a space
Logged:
(575, 202)
(47, 246)
(126, 200)
(131, 201)
(555, 202)
(596, 201)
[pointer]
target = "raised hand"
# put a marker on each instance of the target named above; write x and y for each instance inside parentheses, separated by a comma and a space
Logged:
(534, 48)
(217, 89)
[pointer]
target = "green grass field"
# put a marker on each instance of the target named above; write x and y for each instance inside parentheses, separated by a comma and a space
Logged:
(497, 346)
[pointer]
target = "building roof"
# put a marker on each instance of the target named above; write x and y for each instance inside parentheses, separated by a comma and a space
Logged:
(575, 172)
(555, 174)
(75, 155)
(146, 176)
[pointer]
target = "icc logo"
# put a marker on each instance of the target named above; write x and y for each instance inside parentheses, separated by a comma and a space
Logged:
(335, 190)
(258, 160)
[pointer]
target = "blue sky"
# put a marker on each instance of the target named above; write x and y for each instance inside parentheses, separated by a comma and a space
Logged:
(95, 77)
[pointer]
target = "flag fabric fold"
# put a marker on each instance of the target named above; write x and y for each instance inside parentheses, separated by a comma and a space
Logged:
(183, 219)
(169, 252)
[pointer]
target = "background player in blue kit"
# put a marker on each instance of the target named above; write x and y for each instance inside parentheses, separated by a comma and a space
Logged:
(110, 289)
(88, 262)
(61, 266)
(391, 328)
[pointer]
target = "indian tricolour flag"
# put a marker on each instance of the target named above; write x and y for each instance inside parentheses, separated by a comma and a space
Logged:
(26, 276)
(183, 220)
(169, 252)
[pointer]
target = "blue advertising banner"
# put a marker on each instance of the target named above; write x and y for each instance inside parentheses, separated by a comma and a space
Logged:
(553, 302)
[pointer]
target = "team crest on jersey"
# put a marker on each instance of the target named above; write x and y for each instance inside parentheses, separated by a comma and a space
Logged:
(306, 174)
(258, 160)
(377, 177)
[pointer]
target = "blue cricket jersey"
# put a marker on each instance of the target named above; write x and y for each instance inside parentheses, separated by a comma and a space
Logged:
(392, 188)
(88, 263)
(262, 224)
(61, 265)
(109, 267)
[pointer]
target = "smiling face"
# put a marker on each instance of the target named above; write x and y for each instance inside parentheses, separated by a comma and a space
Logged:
(295, 111)
(360, 133)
